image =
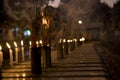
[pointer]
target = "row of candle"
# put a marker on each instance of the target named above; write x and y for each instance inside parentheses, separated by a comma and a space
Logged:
(69, 41)
(16, 51)
(11, 53)
(22, 49)
(72, 40)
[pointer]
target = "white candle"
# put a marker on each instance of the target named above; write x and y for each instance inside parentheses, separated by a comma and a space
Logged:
(16, 55)
(22, 50)
(37, 43)
(83, 39)
(30, 43)
(75, 43)
(41, 43)
(10, 54)
(1, 56)
(68, 46)
(16, 52)
(23, 53)
(11, 57)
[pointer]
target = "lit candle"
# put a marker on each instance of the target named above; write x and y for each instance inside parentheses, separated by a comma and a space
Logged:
(30, 45)
(37, 43)
(41, 43)
(60, 40)
(16, 52)
(83, 39)
(11, 54)
(75, 43)
(68, 46)
(64, 40)
(1, 56)
(22, 49)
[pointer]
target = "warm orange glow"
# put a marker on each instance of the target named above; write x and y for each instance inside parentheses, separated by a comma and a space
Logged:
(80, 22)
(21, 42)
(83, 39)
(44, 21)
(8, 45)
(30, 43)
(60, 40)
(64, 40)
(15, 44)
(0, 47)
(68, 41)
(37, 42)
(41, 42)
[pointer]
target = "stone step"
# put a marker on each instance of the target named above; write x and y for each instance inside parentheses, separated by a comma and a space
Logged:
(59, 74)
(57, 69)
(58, 78)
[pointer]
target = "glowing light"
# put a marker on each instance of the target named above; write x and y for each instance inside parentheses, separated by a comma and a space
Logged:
(0, 47)
(23, 74)
(71, 40)
(44, 21)
(27, 32)
(15, 44)
(37, 43)
(48, 45)
(68, 41)
(64, 40)
(21, 42)
(80, 39)
(40, 41)
(75, 40)
(80, 22)
(60, 40)
(83, 39)
(30, 43)
(8, 45)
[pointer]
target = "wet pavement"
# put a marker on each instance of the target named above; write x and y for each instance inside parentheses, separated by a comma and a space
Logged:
(84, 63)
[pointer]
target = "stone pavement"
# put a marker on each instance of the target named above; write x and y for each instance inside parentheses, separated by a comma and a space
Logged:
(83, 63)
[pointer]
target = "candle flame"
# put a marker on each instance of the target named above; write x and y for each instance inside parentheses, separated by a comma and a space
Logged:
(64, 40)
(8, 45)
(83, 39)
(15, 44)
(80, 39)
(41, 42)
(68, 41)
(48, 45)
(37, 42)
(21, 42)
(30, 43)
(0, 47)
(60, 40)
